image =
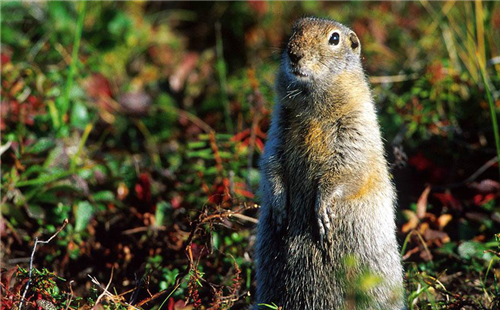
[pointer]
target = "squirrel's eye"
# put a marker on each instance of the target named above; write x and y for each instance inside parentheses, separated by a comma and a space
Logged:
(334, 39)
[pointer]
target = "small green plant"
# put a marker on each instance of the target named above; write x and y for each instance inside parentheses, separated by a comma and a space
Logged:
(270, 306)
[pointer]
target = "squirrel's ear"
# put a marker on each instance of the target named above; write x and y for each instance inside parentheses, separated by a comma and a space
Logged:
(355, 45)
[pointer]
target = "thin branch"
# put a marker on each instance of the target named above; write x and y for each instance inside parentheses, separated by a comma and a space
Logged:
(106, 293)
(33, 258)
(244, 218)
(481, 170)
(472, 177)
(142, 229)
(195, 120)
(392, 78)
(105, 290)
(71, 296)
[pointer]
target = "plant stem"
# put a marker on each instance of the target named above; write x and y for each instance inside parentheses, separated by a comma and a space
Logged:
(85, 136)
(221, 68)
(493, 113)
(74, 59)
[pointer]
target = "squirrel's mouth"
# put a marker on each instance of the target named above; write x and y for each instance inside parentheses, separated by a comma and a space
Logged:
(299, 72)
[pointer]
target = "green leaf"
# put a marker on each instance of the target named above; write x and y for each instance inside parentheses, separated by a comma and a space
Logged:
(196, 144)
(105, 196)
(54, 113)
(84, 212)
(171, 275)
(272, 306)
(53, 156)
(79, 115)
(47, 197)
(225, 155)
(218, 136)
(210, 171)
(119, 25)
(35, 211)
(470, 249)
(254, 176)
(205, 154)
(161, 212)
(32, 170)
(45, 179)
(215, 240)
(40, 146)
(13, 213)
(448, 248)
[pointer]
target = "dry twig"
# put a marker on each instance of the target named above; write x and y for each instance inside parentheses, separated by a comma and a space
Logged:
(392, 78)
(33, 257)
(204, 218)
(71, 296)
(105, 290)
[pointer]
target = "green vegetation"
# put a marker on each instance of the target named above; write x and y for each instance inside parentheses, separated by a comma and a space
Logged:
(142, 124)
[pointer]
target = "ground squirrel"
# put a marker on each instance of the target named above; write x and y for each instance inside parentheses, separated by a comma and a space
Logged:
(326, 192)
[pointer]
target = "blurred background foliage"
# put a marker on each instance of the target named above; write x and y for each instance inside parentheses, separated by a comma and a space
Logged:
(142, 123)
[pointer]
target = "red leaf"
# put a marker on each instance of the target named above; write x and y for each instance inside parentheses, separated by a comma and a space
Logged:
(4, 58)
(420, 162)
(97, 85)
(176, 201)
(480, 199)
(258, 6)
(260, 134)
(143, 188)
(246, 142)
(436, 235)
(422, 202)
(240, 135)
(7, 276)
(181, 305)
(182, 71)
(171, 303)
(448, 200)
(244, 193)
(260, 145)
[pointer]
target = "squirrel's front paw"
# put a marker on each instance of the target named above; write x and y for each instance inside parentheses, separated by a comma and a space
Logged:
(324, 223)
(324, 211)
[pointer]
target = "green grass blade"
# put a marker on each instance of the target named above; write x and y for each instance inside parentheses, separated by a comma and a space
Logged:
(74, 60)
(46, 179)
(85, 136)
(221, 69)
(493, 113)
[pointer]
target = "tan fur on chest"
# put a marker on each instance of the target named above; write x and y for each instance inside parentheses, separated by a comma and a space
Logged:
(315, 141)
(312, 138)
(371, 182)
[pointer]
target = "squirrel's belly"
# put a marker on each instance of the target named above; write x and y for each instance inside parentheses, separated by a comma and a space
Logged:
(308, 275)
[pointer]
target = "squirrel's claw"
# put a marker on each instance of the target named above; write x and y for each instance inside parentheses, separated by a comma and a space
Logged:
(324, 223)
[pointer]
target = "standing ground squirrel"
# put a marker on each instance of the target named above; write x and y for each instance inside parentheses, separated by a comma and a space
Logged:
(327, 198)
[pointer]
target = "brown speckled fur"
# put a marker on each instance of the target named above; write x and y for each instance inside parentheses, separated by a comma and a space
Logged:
(326, 191)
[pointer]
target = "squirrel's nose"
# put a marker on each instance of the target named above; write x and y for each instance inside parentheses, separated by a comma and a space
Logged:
(294, 57)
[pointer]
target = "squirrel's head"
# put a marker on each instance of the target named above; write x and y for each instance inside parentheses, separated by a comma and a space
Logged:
(317, 51)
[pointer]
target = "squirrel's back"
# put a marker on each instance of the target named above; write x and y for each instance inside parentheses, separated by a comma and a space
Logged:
(327, 216)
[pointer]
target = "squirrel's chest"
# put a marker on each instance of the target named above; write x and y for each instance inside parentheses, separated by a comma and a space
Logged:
(309, 144)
